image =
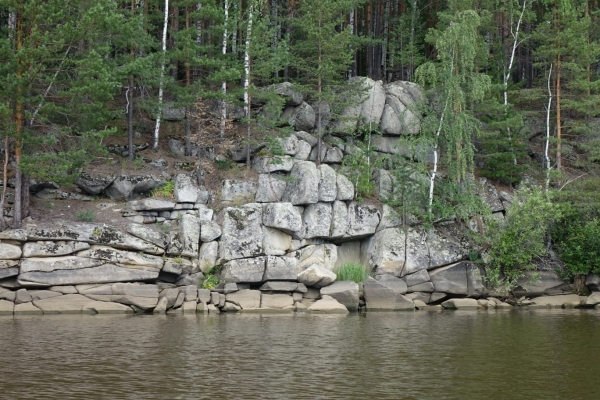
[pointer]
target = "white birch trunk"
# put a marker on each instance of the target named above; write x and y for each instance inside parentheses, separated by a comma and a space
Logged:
(351, 23)
(224, 84)
(198, 26)
(162, 78)
(247, 79)
(386, 31)
(548, 131)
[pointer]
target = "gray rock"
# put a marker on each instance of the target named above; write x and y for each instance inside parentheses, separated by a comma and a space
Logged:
(328, 305)
(303, 152)
(125, 187)
(302, 117)
(171, 113)
(451, 279)
(102, 307)
(22, 296)
(345, 292)
(6, 307)
(108, 254)
(461, 304)
(281, 269)
(289, 144)
(593, 299)
(537, 283)
(316, 276)
(390, 121)
(151, 205)
(161, 306)
(93, 184)
(592, 281)
(333, 155)
(208, 256)
(235, 191)
(282, 216)
(475, 281)
(27, 309)
(327, 183)
(170, 295)
(279, 286)
(230, 288)
(316, 220)
(287, 91)
(345, 189)
(557, 301)
(52, 249)
(270, 189)
(417, 278)
(69, 289)
(488, 193)
(347, 252)
(393, 283)
(324, 255)
(304, 188)
(275, 242)
(190, 279)
(250, 270)
(9, 251)
(363, 220)
(372, 107)
(66, 304)
(381, 298)
(209, 231)
(203, 295)
(230, 307)
(339, 220)
(242, 232)
(14, 234)
(9, 272)
(426, 287)
(42, 294)
(307, 137)
(149, 234)
(186, 189)
(190, 291)
(266, 165)
(276, 300)
(246, 299)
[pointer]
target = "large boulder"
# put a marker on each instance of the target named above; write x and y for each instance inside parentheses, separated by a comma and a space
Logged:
(345, 292)
(282, 216)
(276, 300)
(235, 191)
(393, 283)
(149, 234)
(142, 296)
(186, 189)
(538, 283)
(189, 225)
(301, 118)
(372, 108)
(558, 301)
(52, 249)
(379, 297)
(246, 299)
(327, 183)
(363, 220)
(241, 232)
(339, 220)
(245, 270)
(93, 184)
(67, 304)
(270, 189)
(316, 220)
(345, 188)
(304, 187)
(207, 258)
(328, 305)
(316, 276)
(10, 251)
(125, 187)
(286, 90)
(281, 269)
(461, 304)
(267, 165)
(275, 242)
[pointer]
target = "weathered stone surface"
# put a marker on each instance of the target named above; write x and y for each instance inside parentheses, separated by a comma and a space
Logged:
(151, 205)
(203, 295)
(189, 226)
(173, 266)
(316, 220)
(246, 299)
(316, 276)
(372, 108)
(149, 234)
(232, 190)
(186, 189)
(390, 121)
(58, 263)
(286, 90)
(488, 193)
(537, 283)
(281, 269)
(267, 165)
(208, 256)
(42, 294)
(52, 249)
(95, 274)
(339, 220)
(345, 292)
(426, 287)
(276, 300)
(363, 220)
(304, 188)
(66, 304)
(209, 231)
(27, 309)
(244, 270)
(9, 251)
(393, 283)
(327, 183)
(161, 306)
(230, 288)
(270, 189)
(93, 184)
(475, 278)
(275, 242)
(9, 272)
(451, 279)
(592, 281)
(417, 278)
(142, 296)
(6, 294)
(22, 296)
(289, 144)
(461, 304)
(381, 298)
(303, 152)
(170, 295)
(322, 254)
(103, 307)
(282, 216)
(230, 307)
(68, 289)
(6, 307)
(593, 299)
(279, 286)
(328, 305)
(14, 234)
(107, 254)
(557, 301)
(345, 188)
(242, 232)
(302, 117)
(189, 307)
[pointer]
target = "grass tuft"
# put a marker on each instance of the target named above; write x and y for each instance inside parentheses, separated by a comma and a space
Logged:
(354, 272)
(85, 216)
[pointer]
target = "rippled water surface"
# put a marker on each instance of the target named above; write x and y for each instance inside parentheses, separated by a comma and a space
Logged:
(541, 354)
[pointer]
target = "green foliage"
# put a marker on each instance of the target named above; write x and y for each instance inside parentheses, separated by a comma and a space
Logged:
(522, 237)
(211, 279)
(165, 190)
(85, 216)
(354, 272)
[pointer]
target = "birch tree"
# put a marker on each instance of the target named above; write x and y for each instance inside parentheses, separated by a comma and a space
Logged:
(162, 78)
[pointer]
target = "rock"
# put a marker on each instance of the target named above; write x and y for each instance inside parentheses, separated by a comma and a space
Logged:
(303, 152)
(231, 307)
(592, 281)
(190, 279)
(186, 189)
(345, 189)
(304, 188)
(277, 286)
(451, 279)
(173, 266)
(327, 183)
(27, 309)
(302, 117)
(246, 299)
(363, 220)
(180, 299)
(461, 304)
(557, 301)
(475, 285)
(93, 184)
(6, 307)
(42, 294)
(108, 254)
(9, 272)
(22, 296)
(393, 283)
(190, 291)
(339, 220)
(189, 307)
(417, 278)
(125, 187)
(171, 113)
(289, 144)
(161, 306)
(316, 276)
(324, 255)
(282, 216)
(287, 91)
(141, 296)
(70, 289)
(250, 270)
(66, 304)
(230, 288)
(148, 234)
(209, 231)
(6, 294)
(14, 234)
(593, 299)
(241, 232)
(276, 301)
(426, 287)
(270, 189)
(109, 236)
(382, 298)
(328, 305)
(170, 295)
(208, 256)
(390, 121)
(203, 295)
(52, 249)
(345, 292)
(236, 191)
(275, 242)
(372, 108)
(487, 192)
(316, 220)
(151, 205)
(267, 165)
(189, 225)
(281, 269)
(9, 251)
(102, 307)
(537, 283)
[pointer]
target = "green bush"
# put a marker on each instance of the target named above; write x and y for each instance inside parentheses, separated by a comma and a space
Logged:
(165, 190)
(85, 216)
(209, 281)
(577, 239)
(351, 272)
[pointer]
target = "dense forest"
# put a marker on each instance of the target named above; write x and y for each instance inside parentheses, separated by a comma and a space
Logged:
(69, 68)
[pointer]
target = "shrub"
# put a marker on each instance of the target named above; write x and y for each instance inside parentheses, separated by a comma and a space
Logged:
(209, 281)
(165, 190)
(85, 216)
(351, 272)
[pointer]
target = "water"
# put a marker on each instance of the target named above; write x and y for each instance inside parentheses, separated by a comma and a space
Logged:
(538, 354)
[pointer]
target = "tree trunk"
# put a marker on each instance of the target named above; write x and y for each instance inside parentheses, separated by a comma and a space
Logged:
(546, 148)
(3, 224)
(19, 121)
(224, 84)
(162, 78)
(247, 81)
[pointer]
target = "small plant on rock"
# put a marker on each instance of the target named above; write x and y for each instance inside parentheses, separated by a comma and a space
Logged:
(165, 190)
(85, 216)
(354, 272)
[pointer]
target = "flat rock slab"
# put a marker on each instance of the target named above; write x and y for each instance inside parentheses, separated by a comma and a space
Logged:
(102, 307)
(461, 304)
(6, 307)
(316, 276)
(98, 274)
(344, 292)
(276, 301)
(27, 309)
(151, 205)
(66, 304)
(52, 249)
(382, 298)
(557, 301)
(246, 299)
(248, 270)
(328, 305)
(10, 251)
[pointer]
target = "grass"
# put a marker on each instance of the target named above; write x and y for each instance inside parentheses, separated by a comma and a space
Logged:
(211, 279)
(354, 272)
(165, 190)
(85, 216)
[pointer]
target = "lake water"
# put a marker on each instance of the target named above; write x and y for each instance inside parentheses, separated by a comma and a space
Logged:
(537, 354)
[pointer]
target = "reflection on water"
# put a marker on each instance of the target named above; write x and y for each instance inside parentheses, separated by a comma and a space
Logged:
(541, 354)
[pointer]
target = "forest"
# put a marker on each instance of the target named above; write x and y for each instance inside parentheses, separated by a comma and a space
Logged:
(514, 87)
